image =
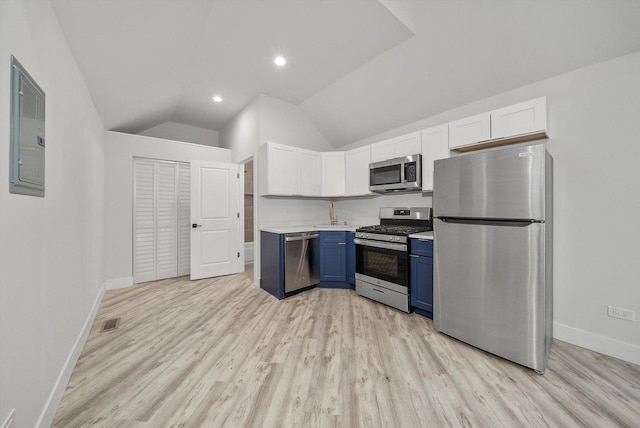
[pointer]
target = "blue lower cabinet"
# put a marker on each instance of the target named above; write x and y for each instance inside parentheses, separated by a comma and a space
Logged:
(422, 278)
(333, 260)
(272, 263)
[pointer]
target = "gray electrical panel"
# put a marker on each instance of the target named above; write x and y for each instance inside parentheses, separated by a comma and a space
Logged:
(27, 133)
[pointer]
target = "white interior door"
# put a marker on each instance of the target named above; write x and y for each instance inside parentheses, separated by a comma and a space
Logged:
(216, 233)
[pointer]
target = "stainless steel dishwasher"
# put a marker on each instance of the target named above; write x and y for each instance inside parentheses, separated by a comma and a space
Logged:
(301, 260)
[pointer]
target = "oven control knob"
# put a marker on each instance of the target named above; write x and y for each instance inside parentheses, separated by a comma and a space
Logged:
(398, 238)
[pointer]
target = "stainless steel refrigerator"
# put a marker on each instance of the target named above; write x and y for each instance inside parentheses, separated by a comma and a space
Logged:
(493, 251)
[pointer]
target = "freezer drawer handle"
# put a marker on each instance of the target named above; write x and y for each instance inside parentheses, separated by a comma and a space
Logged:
(490, 222)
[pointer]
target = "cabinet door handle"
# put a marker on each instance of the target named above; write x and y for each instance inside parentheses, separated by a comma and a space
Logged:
(413, 255)
(342, 243)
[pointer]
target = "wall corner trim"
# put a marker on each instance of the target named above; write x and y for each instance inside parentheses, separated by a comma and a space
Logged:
(53, 401)
(595, 342)
(116, 283)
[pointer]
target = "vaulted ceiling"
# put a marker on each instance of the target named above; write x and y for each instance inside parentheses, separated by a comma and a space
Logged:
(355, 67)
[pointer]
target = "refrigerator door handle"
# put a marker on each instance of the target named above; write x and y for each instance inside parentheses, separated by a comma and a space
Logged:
(490, 222)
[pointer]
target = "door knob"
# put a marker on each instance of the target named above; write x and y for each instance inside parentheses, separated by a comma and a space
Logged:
(195, 225)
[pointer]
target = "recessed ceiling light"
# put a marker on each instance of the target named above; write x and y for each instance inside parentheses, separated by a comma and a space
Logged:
(217, 98)
(280, 61)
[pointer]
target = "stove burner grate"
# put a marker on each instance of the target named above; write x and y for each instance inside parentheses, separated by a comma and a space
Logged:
(394, 230)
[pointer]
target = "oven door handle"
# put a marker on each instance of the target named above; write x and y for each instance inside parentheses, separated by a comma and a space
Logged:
(380, 244)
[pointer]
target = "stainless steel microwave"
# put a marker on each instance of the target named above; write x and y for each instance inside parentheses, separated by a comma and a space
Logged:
(396, 175)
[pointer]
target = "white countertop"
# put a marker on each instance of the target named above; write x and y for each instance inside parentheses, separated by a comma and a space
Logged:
(422, 235)
(308, 228)
(325, 227)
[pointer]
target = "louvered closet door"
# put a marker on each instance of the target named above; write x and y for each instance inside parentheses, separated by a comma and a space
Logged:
(184, 219)
(162, 236)
(167, 220)
(144, 218)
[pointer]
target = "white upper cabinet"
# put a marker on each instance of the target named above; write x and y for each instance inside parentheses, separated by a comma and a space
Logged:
(288, 171)
(382, 150)
(357, 171)
(291, 171)
(470, 130)
(404, 145)
(526, 121)
(309, 173)
(524, 118)
(435, 145)
(407, 145)
(333, 174)
(278, 162)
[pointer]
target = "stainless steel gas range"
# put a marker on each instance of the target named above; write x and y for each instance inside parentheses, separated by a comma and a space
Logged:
(382, 255)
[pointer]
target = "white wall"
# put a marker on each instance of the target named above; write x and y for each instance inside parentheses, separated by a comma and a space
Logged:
(181, 132)
(276, 211)
(366, 211)
(51, 248)
(285, 123)
(120, 149)
(595, 141)
(242, 133)
(269, 119)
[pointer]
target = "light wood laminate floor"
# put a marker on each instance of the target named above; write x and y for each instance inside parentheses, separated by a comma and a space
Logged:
(222, 352)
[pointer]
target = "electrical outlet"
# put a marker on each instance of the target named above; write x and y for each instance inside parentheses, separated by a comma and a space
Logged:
(10, 421)
(625, 314)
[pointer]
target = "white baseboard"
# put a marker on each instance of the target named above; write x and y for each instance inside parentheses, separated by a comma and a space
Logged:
(52, 403)
(114, 284)
(605, 345)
